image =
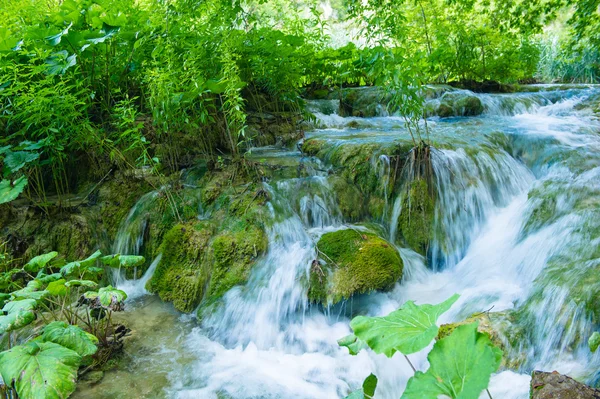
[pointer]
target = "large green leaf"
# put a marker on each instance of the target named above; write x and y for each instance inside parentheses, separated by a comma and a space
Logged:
(10, 192)
(48, 278)
(31, 291)
(16, 160)
(20, 305)
(368, 389)
(39, 262)
(55, 39)
(59, 62)
(58, 288)
(594, 341)
(406, 330)
(107, 297)
(80, 266)
(460, 366)
(40, 370)
(72, 337)
(15, 320)
(81, 283)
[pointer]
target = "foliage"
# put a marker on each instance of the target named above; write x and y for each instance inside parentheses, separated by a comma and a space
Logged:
(406, 330)
(40, 370)
(594, 341)
(77, 322)
(460, 364)
(368, 389)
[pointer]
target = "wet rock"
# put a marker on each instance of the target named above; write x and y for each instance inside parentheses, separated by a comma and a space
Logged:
(459, 104)
(352, 262)
(416, 223)
(557, 386)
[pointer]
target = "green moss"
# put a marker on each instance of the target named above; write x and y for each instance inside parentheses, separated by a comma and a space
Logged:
(234, 251)
(183, 272)
(312, 146)
(349, 198)
(416, 220)
(354, 262)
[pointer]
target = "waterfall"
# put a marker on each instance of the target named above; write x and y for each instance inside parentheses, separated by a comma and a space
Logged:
(516, 224)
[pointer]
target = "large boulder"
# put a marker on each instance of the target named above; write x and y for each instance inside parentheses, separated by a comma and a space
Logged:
(557, 386)
(352, 262)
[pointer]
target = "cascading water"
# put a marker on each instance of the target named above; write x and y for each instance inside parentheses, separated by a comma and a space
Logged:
(517, 225)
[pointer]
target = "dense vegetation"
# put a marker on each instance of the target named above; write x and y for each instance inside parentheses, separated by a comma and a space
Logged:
(91, 87)
(118, 83)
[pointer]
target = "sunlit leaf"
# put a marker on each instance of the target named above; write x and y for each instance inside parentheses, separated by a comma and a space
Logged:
(20, 305)
(406, 330)
(58, 288)
(39, 262)
(460, 366)
(55, 39)
(353, 344)
(15, 320)
(72, 337)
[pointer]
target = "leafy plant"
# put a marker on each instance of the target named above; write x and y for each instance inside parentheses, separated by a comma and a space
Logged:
(460, 364)
(76, 318)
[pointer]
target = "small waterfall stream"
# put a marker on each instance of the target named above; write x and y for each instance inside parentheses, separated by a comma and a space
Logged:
(516, 190)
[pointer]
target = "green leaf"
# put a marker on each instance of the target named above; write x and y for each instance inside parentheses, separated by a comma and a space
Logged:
(80, 266)
(40, 370)
(353, 344)
(15, 320)
(81, 283)
(72, 337)
(107, 297)
(55, 39)
(16, 160)
(39, 262)
(58, 63)
(460, 366)
(31, 291)
(10, 192)
(58, 288)
(48, 278)
(406, 330)
(594, 341)
(368, 389)
(20, 305)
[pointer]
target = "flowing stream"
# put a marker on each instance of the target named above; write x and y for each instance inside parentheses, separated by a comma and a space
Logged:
(517, 220)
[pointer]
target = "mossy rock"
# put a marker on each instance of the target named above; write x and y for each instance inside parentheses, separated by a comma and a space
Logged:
(350, 200)
(312, 146)
(416, 219)
(353, 262)
(184, 270)
(233, 253)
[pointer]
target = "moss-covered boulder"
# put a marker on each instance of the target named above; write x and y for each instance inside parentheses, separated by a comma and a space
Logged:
(182, 275)
(234, 252)
(416, 219)
(352, 262)
(350, 200)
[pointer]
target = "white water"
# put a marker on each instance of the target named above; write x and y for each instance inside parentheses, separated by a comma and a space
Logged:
(266, 341)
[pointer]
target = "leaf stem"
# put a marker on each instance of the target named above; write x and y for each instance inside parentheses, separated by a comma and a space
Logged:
(489, 394)
(410, 363)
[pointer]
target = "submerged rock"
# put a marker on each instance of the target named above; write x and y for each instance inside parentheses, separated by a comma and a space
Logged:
(353, 262)
(557, 386)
